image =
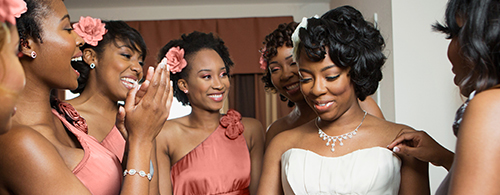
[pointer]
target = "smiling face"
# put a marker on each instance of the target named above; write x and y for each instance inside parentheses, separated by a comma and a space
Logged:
(118, 69)
(207, 83)
(54, 53)
(284, 74)
(326, 87)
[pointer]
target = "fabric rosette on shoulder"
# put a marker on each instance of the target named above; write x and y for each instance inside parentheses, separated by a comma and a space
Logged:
(11, 9)
(232, 122)
(174, 60)
(77, 120)
(90, 29)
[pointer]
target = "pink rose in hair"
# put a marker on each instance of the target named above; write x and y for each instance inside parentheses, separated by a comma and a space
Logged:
(262, 61)
(11, 9)
(174, 59)
(90, 29)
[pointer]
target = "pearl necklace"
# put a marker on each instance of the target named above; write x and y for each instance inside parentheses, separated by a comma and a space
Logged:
(334, 139)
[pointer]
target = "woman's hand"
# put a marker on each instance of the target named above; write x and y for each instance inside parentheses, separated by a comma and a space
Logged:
(147, 109)
(421, 146)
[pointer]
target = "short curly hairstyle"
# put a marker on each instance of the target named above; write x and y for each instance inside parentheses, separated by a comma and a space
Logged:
(280, 37)
(117, 31)
(193, 43)
(351, 43)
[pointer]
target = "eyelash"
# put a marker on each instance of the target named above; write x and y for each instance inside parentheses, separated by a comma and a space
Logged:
(332, 78)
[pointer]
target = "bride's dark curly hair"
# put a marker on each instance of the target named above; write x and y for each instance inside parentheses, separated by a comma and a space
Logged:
(351, 42)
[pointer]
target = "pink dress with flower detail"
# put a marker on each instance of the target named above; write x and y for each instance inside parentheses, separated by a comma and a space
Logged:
(219, 165)
(100, 169)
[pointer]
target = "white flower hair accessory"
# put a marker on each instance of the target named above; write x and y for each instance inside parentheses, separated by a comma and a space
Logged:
(295, 36)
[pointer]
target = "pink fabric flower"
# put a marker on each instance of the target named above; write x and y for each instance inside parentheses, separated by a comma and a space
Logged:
(90, 29)
(78, 121)
(232, 122)
(11, 9)
(174, 59)
(262, 61)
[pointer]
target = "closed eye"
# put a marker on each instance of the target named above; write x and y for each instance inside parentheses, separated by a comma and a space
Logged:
(305, 80)
(332, 78)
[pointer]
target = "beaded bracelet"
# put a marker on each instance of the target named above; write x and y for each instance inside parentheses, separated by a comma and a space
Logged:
(141, 173)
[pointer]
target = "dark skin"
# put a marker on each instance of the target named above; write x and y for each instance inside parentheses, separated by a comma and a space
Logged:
(206, 77)
(329, 91)
(38, 150)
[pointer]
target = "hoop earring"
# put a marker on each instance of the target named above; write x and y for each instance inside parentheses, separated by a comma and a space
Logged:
(33, 54)
(92, 66)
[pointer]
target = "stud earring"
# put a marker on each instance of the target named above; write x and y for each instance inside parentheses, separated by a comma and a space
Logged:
(185, 91)
(92, 66)
(33, 54)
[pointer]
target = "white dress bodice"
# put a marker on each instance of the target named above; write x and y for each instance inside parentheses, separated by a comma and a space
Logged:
(367, 171)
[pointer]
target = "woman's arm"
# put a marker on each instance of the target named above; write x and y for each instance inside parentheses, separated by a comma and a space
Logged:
(164, 165)
(414, 176)
(270, 181)
(30, 164)
(254, 130)
(476, 167)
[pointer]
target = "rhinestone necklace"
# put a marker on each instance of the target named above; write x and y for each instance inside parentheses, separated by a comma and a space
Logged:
(334, 139)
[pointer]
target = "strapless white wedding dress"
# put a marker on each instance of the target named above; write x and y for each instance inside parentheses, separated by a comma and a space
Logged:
(367, 171)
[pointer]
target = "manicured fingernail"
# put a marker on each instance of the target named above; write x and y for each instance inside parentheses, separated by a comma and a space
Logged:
(395, 149)
(151, 68)
(168, 68)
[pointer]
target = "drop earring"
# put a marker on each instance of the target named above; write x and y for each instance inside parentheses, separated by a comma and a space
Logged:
(92, 66)
(33, 54)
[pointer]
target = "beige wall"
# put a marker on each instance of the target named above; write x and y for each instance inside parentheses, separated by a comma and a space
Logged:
(424, 96)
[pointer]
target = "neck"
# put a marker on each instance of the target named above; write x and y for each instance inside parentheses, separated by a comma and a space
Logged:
(33, 106)
(91, 101)
(203, 118)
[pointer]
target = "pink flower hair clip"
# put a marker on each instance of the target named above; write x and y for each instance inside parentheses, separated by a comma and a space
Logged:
(90, 29)
(12, 9)
(262, 61)
(174, 60)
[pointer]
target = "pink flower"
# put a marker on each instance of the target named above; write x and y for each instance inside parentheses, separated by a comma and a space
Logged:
(11, 9)
(174, 59)
(262, 61)
(78, 121)
(90, 29)
(232, 122)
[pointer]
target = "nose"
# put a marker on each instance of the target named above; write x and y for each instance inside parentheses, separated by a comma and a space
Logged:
(137, 68)
(318, 88)
(286, 74)
(79, 40)
(217, 83)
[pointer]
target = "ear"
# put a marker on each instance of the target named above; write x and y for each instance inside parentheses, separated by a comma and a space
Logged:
(183, 86)
(27, 46)
(89, 56)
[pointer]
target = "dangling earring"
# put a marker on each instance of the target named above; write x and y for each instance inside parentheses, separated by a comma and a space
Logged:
(33, 54)
(92, 66)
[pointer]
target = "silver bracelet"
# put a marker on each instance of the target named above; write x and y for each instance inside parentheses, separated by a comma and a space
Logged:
(141, 173)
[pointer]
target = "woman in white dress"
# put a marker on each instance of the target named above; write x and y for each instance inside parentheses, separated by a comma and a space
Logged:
(474, 30)
(343, 150)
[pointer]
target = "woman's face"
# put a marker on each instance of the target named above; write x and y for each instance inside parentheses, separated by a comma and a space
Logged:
(207, 82)
(326, 87)
(58, 46)
(460, 66)
(118, 69)
(285, 74)
(12, 79)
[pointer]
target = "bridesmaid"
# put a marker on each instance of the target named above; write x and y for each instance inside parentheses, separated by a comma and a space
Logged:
(206, 152)
(282, 76)
(43, 153)
(12, 78)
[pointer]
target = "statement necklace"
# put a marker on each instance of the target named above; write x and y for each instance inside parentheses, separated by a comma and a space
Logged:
(334, 139)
